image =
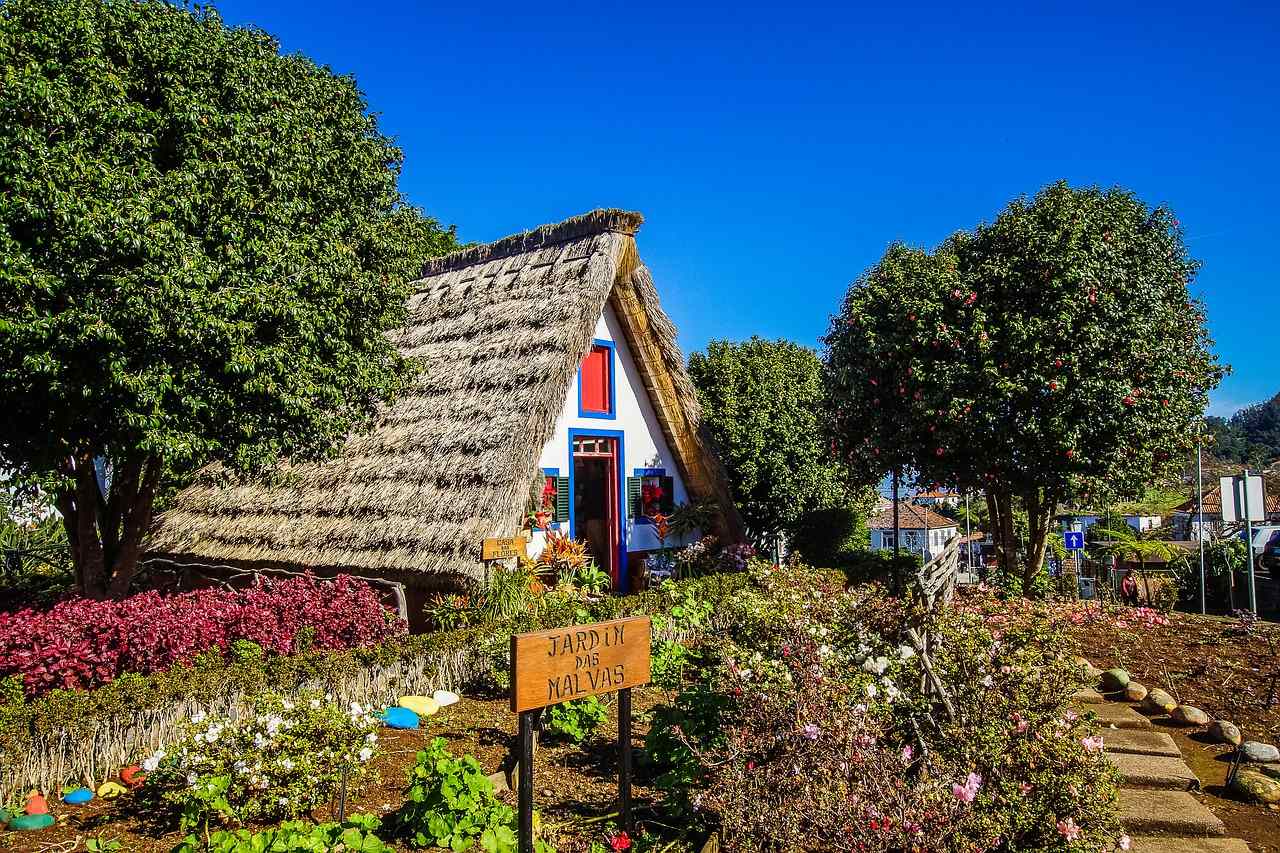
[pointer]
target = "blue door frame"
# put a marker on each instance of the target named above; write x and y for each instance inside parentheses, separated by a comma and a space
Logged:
(621, 556)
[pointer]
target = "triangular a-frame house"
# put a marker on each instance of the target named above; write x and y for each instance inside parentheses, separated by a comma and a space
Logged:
(547, 364)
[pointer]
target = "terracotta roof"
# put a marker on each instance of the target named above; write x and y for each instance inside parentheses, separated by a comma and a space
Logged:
(935, 493)
(910, 517)
(1213, 502)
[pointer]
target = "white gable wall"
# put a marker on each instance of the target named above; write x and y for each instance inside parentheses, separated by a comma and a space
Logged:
(643, 444)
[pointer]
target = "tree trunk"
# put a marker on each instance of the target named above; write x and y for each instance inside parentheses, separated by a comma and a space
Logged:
(1040, 509)
(1000, 505)
(106, 534)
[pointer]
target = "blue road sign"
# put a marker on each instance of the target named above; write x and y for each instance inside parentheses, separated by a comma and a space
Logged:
(1074, 540)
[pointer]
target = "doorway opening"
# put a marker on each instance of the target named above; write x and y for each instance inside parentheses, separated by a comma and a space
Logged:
(595, 500)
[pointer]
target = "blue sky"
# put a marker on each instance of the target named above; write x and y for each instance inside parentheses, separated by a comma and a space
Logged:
(776, 151)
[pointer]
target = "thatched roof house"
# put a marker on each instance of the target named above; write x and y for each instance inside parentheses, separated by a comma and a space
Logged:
(529, 345)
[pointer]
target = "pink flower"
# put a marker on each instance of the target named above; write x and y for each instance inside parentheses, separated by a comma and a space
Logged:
(1025, 788)
(967, 792)
(1124, 843)
(907, 752)
(1068, 829)
(1092, 744)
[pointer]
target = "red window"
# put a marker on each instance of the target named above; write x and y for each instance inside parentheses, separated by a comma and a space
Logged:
(596, 381)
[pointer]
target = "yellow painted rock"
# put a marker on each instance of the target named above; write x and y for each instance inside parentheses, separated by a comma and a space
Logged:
(444, 698)
(423, 706)
(107, 790)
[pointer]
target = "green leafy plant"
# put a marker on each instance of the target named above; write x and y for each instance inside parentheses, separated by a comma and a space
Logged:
(278, 761)
(576, 720)
(357, 834)
(450, 804)
(199, 266)
(102, 845)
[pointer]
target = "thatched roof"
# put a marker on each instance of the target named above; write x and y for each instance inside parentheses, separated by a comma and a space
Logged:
(500, 330)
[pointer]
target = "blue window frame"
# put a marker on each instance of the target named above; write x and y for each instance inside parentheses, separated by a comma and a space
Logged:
(623, 579)
(612, 362)
(647, 472)
(552, 472)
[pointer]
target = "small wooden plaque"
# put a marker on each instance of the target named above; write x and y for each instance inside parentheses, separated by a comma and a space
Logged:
(501, 549)
(554, 666)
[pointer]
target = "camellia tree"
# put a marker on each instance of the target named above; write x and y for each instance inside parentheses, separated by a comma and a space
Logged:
(202, 246)
(764, 404)
(1054, 354)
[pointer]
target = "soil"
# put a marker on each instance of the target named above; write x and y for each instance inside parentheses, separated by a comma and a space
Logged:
(1213, 663)
(575, 786)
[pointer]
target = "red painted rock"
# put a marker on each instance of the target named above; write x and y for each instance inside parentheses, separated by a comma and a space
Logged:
(36, 804)
(133, 776)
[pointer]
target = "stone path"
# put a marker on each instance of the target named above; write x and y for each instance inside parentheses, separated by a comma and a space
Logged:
(1155, 803)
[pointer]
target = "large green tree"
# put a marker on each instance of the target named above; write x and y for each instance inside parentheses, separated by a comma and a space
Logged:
(202, 246)
(1053, 354)
(765, 407)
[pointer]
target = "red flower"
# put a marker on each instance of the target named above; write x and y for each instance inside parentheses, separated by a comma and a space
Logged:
(620, 841)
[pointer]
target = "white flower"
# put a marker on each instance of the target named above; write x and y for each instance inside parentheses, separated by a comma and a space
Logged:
(356, 710)
(906, 653)
(284, 801)
(371, 738)
(287, 705)
(192, 779)
(198, 717)
(875, 666)
(315, 703)
(260, 741)
(871, 690)
(366, 753)
(286, 764)
(154, 761)
(745, 674)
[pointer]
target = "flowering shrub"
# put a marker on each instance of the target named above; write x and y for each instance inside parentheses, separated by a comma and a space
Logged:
(83, 642)
(279, 761)
(807, 727)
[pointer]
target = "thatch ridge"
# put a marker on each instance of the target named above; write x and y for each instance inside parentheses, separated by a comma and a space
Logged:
(575, 228)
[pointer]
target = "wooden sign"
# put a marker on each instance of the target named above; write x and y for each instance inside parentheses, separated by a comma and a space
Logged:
(501, 549)
(550, 667)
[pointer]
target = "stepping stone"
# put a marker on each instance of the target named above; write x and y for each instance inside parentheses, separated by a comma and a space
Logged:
(1088, 696)
(1154, 771)
(1176, 812)
(1139, 742)
(1120, 716)
(1151, 844)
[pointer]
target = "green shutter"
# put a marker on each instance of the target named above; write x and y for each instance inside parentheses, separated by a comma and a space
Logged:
(633, 497)
(668, 502)
(562, 500)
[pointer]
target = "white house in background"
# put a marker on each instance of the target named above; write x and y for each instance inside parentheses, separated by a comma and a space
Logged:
(1082, 520)
(1192, 522)
(937, 497)
(920, 530)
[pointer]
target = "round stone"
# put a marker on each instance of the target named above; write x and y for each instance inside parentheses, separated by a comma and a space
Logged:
(1258, 752)
(1135, 692)
(1159, 702)
(36, 804)
(78, 797)
(5, 817)
(27, 822)
(1114, 679)
(1256, 786)
(1223, 732)
(445, 698)
(400, 718)
(108, 789)
(133, 776)
(423, 706)
(1189, 715)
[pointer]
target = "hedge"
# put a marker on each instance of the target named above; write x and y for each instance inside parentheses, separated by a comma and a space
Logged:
(88, 735)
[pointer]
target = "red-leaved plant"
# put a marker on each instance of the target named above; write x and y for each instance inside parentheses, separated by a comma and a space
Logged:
(81, 643)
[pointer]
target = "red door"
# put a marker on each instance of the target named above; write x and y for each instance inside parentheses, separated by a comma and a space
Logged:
(595, 499)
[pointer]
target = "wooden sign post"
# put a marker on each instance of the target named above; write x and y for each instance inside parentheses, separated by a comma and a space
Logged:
(554, 666)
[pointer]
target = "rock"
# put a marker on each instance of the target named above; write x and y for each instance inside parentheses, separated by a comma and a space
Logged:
(1223, 732)
(78, 797)
(1135, 692)
(1258, 752)
(108, 790)
(1088, 671)
(400, 718)
(499, 781)
(27, 822)
(36, 804)
(1114, 679)
(423, 706)
(444, 698)
(5, 817)
(1159, 702)
(1189, 715)
(133, 776)
(1256, 786)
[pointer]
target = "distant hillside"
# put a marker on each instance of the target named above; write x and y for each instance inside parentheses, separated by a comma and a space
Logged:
(1250, 436)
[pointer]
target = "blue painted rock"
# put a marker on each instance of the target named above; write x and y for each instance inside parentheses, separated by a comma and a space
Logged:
(78, 797)
(400, 718)
(31, 821)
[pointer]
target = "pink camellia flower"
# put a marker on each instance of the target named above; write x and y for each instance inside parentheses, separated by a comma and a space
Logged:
(907, 752)
(1124, 843)
(1092, 744)
(967, 792)
(1068, 829)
